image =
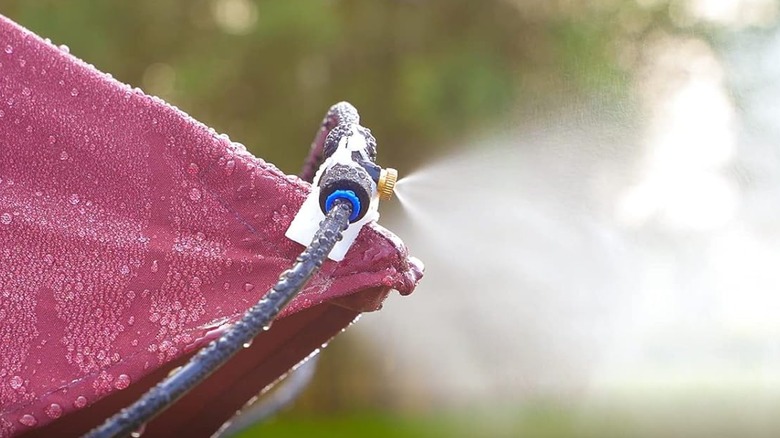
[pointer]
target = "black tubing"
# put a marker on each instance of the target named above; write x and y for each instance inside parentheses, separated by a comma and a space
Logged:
(340, 113)
(217, 353)
(296, 381)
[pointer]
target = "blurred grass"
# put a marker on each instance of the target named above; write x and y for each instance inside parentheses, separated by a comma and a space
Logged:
(675, 415)
(536, 420)
(374, 424)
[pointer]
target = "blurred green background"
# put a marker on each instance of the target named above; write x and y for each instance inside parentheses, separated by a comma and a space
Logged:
(428, 77)
(422, 73)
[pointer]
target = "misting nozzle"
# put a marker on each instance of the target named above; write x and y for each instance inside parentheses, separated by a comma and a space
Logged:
(386, 184)
(348, 175)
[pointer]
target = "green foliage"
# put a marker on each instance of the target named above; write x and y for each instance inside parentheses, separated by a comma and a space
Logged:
(421, 73)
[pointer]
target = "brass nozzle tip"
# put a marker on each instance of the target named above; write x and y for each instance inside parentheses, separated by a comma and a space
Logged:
(387, 179)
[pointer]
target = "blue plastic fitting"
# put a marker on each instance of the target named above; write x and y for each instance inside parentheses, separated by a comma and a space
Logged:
(347, 195)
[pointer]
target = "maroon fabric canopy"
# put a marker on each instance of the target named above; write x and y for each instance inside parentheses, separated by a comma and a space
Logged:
(130, 236)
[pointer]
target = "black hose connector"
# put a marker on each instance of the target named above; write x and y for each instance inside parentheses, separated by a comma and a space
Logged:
(349, 183)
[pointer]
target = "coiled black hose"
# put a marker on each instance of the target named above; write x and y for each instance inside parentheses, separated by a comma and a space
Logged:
(217, 353)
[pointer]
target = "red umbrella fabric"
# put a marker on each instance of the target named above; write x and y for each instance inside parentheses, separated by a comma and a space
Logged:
(130, 236)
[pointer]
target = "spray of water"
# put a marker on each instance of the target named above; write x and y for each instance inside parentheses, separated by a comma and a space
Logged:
(520, 268)
(560, 261)
(605, 256)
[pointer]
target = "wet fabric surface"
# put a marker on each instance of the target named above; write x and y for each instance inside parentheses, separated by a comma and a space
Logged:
(131, 235)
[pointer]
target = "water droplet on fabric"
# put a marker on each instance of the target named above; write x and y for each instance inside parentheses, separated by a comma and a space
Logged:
(16, 382)
(74, 92)
(122, 381)
(196, 282)
(52, 139)
(9, 49)
(28, 420)
(195, 194)
(63, 155)
(80, 402)
(155, 267)
(230, 166)
(64, 48)
(124, 269)
(248, 287)
(53, 410)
